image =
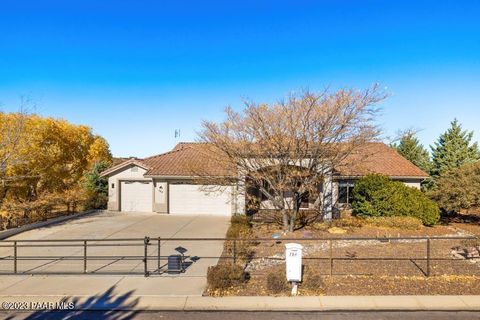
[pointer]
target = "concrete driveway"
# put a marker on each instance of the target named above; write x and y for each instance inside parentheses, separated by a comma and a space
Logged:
(111, 262)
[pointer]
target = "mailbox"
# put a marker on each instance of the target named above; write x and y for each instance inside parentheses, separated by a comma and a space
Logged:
(293, 259)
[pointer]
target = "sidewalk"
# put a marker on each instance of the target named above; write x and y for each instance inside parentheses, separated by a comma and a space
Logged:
(262, 303)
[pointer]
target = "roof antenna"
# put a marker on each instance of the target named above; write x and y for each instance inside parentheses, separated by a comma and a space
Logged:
(177, 135)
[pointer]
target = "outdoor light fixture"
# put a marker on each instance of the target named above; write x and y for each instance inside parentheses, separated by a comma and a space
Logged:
(160, 189)
(181, 250)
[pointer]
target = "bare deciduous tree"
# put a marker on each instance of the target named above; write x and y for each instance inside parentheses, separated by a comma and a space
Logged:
(286, 150)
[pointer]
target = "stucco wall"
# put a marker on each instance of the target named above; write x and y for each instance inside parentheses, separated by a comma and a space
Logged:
(160, 196)
(328, 197)
(238, 199)
(411, 183)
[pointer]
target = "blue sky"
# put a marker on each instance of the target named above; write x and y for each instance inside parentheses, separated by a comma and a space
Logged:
(137, 70)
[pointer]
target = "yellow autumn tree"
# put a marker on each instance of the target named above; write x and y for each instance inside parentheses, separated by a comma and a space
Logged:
(43, 156)
(99, 151)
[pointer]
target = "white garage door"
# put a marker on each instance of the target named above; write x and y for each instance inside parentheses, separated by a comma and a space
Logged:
(136, 196)
(190, 199)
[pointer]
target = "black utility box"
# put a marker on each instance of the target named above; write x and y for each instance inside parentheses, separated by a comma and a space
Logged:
(175, 263)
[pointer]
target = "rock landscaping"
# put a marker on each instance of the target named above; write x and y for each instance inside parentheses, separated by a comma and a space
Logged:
(378, 266)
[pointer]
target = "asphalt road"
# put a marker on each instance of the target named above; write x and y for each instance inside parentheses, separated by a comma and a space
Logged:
(424, 315)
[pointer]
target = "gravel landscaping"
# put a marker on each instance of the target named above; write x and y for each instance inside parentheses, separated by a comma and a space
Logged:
(371, 266)
(374, 286)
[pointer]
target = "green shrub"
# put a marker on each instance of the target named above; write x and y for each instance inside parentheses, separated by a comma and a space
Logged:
(277, 282)
(377, 196)
(96, 201)
(224, 276)
(401, 222)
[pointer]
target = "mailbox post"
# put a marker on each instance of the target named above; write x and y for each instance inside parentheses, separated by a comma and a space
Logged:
(293, 261)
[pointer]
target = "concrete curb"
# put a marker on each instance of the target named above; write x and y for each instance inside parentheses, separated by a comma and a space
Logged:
(14, 231)
(265, 303)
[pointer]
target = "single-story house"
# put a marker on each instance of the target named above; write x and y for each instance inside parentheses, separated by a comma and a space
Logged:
(164, 184)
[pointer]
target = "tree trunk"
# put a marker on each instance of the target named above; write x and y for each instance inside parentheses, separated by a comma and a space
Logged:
(285, 220)
(297, 200)
(293, 218)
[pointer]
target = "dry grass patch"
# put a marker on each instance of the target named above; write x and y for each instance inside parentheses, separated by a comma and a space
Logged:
(408, 223)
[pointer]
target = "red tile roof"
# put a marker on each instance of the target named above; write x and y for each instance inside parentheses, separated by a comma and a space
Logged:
(378, 158)
(187, 159)
(193, 159)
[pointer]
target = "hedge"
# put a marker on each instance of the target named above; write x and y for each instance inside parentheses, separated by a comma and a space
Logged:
(377, 196)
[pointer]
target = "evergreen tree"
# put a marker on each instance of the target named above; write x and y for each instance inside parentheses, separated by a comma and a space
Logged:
(411, 149)
(453, 149)
(94, 182)
(96, 187)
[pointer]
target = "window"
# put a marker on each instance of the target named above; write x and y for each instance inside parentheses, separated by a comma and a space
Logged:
(305, 202)
(269, 190)
(345, 189)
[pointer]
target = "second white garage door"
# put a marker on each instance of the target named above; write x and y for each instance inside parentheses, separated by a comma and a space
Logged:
(136, 196)
(190, 199)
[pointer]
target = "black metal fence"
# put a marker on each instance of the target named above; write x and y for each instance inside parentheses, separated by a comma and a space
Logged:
(148, 255)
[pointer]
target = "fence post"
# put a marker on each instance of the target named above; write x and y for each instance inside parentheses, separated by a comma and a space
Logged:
(15, 257)
(145, 255)
(84, 256)
(234, 250)
(158, 260)
(428, 257)
(331, 257)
